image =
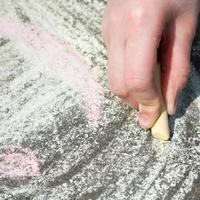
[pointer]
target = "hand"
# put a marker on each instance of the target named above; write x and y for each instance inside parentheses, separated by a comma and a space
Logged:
(133, 30)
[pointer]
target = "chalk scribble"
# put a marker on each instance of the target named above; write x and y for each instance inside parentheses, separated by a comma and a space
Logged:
(17, 162)
(57, 59)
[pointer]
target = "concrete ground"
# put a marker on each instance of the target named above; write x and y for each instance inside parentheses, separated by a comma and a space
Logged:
(63, 135)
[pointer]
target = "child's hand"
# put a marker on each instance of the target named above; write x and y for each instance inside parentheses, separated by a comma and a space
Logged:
(133, 30)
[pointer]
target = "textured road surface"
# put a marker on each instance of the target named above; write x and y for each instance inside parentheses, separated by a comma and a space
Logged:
(63, 135)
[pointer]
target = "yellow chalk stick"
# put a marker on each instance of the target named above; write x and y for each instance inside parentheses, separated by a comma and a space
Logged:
(160, 130)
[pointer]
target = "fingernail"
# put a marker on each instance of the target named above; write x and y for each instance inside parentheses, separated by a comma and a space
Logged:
(171, 107)
(144, 121)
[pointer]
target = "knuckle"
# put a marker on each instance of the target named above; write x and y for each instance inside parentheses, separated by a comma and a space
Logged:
(118, 90)
(114, 21)
(154, 103)
(137, 16)
(137, 84)
(114, 17)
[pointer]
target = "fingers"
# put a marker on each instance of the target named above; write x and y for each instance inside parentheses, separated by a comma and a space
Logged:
(114, 37)
(115, 71)
(176, 58)
(140, 82)
(140, 60)
(131, 65)
(132, 33)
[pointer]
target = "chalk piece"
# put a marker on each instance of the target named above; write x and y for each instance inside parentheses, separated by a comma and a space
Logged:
(160, 130)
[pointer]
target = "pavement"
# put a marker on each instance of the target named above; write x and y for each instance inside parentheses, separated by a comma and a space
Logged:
(63, 134)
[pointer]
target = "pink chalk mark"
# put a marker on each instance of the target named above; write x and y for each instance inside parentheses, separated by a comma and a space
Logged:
(17, 162)
(60, 59)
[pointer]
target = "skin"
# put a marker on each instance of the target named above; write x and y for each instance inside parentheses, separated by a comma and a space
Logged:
(137, 34)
